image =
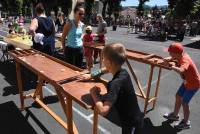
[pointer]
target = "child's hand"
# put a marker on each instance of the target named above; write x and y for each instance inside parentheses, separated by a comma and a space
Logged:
(177, 69)
(95, 91)
(86, 77)
(167, 59)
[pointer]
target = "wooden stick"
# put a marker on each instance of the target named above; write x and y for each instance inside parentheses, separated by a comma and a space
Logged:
(136, 79)
(95, 121)
(148, 89)
(157, 87)
(19, 83)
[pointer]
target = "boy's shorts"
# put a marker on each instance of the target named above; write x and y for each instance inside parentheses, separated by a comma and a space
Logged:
(186, 94)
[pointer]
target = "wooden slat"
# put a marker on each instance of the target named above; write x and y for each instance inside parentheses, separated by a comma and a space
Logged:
(148, 89)
(152, 99)
(55, 116)
(136, 79)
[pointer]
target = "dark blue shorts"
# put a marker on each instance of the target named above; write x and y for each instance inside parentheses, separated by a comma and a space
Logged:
(186, 94)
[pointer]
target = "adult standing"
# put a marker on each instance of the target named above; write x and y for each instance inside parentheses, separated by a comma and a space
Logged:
(43, 30)
(60, 22)
(21, 20)
(101, 31)
(73, 30)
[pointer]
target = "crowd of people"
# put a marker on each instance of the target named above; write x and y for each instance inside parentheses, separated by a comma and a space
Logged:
(160, 28)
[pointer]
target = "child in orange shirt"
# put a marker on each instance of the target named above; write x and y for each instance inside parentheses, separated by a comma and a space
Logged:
(190, 75)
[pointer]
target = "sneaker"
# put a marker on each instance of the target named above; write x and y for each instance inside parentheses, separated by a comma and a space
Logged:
(171, 116)
(183, 125)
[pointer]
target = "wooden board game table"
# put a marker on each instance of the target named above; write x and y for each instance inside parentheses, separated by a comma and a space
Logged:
(63, 77)
(24, 42)
(150, 59)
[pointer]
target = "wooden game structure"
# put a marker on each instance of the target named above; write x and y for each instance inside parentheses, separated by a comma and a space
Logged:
(64, 77)
(68, 86)
(24, 41)
(18, 42)
(149, 59)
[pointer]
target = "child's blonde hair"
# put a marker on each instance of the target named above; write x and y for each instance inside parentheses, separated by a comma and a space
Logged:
(115, 52)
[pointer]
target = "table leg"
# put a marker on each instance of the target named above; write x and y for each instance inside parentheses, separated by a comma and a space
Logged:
(69, 115)
(95, 121)
(148, 89)
(39, 87)
(63, 104)
(157, 87)
(101, 59)
(19, 83)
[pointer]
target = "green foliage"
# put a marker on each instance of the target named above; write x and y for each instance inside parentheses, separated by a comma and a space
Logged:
(111, 7)
(141, 7)
(172, 3)
(88, 10)
(196, 9)
(182, 9)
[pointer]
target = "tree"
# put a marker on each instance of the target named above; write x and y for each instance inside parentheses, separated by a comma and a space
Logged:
(195, 12)
(172, 3)
(141, 7)
(182, 9)
(105, 3)
(88, 10)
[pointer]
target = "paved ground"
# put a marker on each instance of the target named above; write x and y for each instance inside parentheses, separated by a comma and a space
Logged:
(35, 120)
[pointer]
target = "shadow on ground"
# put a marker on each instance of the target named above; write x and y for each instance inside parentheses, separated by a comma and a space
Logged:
(46, 100)
(12, 121)
(158, 39)
(7, 69)
(29, 114)
(165, 128)
(195, 45)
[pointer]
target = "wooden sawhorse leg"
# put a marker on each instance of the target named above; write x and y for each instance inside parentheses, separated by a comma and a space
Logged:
(154, 98)
(95, 121)
(66, 103)
(142, 94)
(148, 89)
(38, 90)
(157, 87)
(20, 84)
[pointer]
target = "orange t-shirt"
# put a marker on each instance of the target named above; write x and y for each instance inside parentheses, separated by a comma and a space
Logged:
(190, 75)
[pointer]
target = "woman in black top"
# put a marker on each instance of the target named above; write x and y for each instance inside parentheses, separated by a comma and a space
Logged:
(60, 22)
(44, 25)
